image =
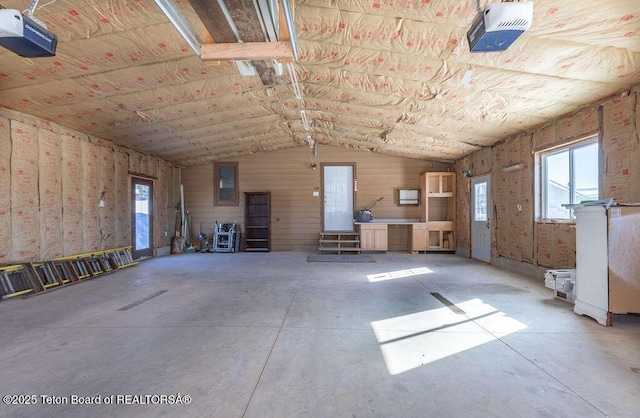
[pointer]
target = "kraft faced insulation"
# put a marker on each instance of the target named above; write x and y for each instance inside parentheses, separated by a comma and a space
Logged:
(369, 71)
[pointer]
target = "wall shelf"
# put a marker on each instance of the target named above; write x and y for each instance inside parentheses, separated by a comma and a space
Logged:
(438, 210)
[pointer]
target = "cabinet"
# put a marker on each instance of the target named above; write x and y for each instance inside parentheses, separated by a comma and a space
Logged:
(373, 237)
(438, 209)
(592, 298)
(418, 237)
(607, 265)
(257, 221)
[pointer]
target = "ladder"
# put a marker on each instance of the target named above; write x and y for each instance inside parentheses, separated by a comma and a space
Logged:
(25, 278)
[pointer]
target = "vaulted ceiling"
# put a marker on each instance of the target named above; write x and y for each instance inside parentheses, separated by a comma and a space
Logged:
(387, 76)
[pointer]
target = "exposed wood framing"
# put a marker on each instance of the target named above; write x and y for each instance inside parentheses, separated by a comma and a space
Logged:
(213, 19)
(246, 51)
(283, 28)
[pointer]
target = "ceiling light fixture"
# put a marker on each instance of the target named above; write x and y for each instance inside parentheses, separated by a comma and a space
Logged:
(176, 18)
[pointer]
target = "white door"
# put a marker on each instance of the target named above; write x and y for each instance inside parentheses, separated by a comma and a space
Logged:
(142, 217)
(480, 218)
(338, 197)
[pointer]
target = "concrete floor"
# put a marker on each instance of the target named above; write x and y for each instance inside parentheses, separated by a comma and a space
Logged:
(272, 335)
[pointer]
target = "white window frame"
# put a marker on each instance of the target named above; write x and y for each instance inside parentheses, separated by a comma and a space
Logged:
(541, 180)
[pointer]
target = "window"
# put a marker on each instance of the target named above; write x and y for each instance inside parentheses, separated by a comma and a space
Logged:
(225, 180)
(480, 202)
(569, 175)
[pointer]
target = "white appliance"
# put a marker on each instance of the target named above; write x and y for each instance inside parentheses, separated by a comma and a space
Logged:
(592, 281)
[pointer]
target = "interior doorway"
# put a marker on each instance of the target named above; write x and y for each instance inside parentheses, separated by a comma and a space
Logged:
(481, 218)
(142, 217)
(337, 189)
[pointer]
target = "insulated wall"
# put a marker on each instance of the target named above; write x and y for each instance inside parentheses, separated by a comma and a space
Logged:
(25, 221)
(516, 232)
(5, 189)
(620, 142)
(51, 182)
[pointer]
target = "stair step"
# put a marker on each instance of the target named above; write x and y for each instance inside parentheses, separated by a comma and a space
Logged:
(340, 250)
(339, 242)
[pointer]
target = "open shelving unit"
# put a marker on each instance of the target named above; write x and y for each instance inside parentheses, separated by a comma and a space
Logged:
(257, 221)
(438, 200)
(340, 242)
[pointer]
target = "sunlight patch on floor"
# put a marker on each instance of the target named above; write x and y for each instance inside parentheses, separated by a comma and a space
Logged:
(398, 274)
(411, 341)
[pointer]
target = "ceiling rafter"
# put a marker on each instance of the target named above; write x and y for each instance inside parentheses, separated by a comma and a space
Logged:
(246, 51)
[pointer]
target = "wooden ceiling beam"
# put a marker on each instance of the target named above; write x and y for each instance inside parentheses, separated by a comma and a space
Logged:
(213, 19)
(283, 28)
(246, 51)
